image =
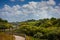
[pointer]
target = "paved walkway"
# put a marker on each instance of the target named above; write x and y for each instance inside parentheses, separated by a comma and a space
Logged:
(19, 38)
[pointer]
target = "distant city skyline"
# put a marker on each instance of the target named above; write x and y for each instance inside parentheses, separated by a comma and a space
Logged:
(20, 10)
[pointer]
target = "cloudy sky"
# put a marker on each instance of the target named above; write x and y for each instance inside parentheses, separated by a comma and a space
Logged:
(20, 10)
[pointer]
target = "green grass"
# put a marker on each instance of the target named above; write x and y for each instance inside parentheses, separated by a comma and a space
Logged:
(4, 36)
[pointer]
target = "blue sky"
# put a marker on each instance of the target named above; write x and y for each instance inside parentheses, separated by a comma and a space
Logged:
(20, 10)
(15, 2)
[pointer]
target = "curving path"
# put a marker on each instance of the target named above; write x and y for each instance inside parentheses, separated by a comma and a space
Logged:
(19, 37)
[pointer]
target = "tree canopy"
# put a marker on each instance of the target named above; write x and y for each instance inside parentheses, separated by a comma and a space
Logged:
(4, 24)
(45, 29)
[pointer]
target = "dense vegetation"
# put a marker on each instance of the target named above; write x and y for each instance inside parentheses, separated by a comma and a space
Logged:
(3, 26)
(43, 29)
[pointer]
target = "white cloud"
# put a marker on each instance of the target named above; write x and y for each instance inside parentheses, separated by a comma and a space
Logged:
(11, 10)
(51, 2)
(35, 10)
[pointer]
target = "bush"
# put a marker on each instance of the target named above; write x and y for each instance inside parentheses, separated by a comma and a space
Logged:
(38, 35)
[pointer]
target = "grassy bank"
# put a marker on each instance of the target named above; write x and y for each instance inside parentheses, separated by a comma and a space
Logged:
(4, 36)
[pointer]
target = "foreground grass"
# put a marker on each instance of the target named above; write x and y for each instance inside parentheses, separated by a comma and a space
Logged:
(31, 38)
(4, 36)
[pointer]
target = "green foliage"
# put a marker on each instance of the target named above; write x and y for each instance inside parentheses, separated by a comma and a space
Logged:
(38, 35)
(4, 24)
(43, 29)
(1, 20)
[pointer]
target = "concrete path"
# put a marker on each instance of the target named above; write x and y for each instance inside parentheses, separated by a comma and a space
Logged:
(19, 38)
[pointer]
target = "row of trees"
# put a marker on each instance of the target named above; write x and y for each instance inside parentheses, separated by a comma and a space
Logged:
(1, 20)
(44, 29)
(4, 24)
